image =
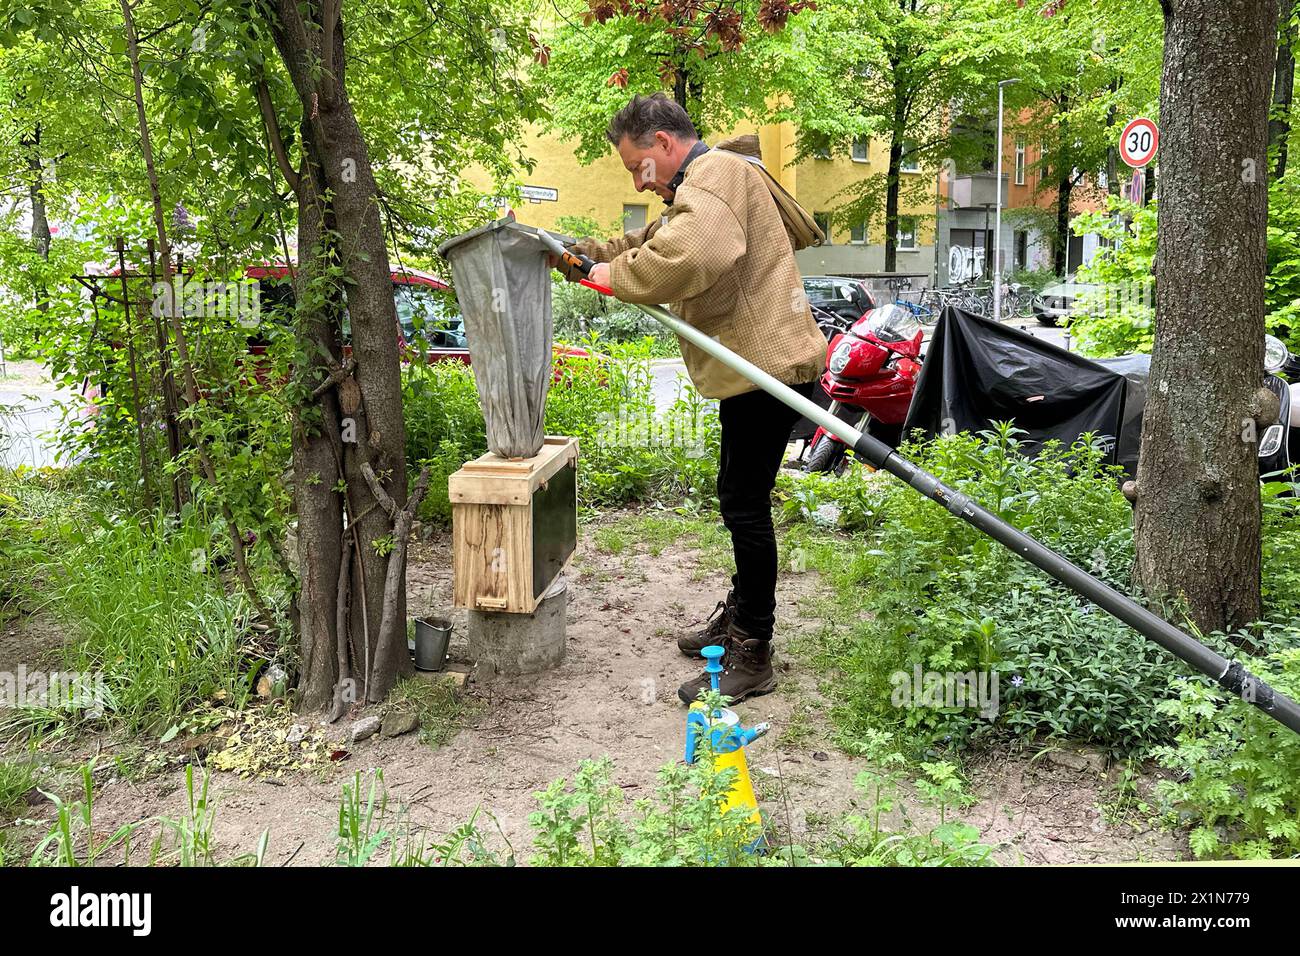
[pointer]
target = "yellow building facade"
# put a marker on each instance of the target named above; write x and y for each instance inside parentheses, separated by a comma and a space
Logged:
(561, 187)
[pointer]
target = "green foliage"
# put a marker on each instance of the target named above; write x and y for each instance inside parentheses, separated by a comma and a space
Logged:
(73, 840)
(141, 598)
(1036, 279)
(604, 400)
(1282, 285)
(579, 313)
(1238, 771)
(1280, 538)
(186, 841)
(360, 834)
(727, 71)
(924, 588)
(873, 842)
(686, 824)
(436, 703)
(146, 607)
(1119, 318)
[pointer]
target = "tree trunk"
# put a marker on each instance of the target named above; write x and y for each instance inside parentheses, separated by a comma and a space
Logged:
(40, 220)
(1061, 251)
(1197, 523)
(317, 459)
(367, 410)
(1279, 127)
(893, 175)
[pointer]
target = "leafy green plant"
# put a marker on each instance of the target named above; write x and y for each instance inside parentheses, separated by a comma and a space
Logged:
(154, 621)
(361, 831)
(919, 587)
(686, 824)
(1238, 770)
(1282, 284)
(73, 840)
(188, 840)
(1119, 318)
(874, 842)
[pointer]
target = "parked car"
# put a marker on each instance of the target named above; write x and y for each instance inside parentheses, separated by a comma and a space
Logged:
(1056, 303)
(846, 297)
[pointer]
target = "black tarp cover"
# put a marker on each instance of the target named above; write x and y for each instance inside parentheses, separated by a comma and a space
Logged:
(977, 372)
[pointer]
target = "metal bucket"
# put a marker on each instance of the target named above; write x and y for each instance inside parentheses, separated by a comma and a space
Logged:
(432, 635)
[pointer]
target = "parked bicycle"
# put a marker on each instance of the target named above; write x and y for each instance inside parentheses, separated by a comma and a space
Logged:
(1018, 300)
(912, 301)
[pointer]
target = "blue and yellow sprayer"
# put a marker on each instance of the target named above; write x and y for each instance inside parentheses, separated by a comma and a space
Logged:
(726, 739)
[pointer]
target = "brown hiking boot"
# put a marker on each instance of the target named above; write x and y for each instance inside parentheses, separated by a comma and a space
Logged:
(714, 632)
(746, 670)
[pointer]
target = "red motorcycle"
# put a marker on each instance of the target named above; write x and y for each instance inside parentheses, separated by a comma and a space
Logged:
(870, 376)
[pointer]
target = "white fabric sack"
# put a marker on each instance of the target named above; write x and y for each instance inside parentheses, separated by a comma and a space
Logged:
(503, 284)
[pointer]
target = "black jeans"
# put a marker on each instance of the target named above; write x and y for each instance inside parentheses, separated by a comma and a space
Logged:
(755, 431)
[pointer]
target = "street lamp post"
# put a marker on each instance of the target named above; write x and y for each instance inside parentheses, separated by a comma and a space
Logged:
(997, 222)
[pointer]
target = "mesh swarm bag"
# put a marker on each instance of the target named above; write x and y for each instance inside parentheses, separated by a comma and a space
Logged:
(503, 284)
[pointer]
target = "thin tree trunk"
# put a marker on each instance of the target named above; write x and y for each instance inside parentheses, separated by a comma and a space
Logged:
(1279, 126)
(146, 481)
(40, 218)
(1061, 252)
(1197, 522)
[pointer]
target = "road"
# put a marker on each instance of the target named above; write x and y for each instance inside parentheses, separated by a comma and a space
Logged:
(27, 415)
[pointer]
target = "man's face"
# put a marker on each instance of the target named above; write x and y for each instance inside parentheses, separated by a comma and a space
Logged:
(653, 167)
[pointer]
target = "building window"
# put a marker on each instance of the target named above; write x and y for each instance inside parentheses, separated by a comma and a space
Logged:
(823, 220)
(1020, 250)
(634, 217)
(1020, 161)
(910, 163)
(906, 233)
(861, 144)
(858, 234)
(1043, 170)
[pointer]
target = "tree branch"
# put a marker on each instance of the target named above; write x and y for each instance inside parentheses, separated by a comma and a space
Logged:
(272, 124)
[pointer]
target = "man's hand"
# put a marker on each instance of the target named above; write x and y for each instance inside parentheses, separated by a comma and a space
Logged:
(600, 274)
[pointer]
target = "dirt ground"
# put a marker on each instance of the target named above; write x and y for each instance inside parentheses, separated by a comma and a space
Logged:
(615, 694)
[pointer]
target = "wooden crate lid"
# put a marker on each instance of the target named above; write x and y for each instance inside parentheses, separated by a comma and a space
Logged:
(490, 479)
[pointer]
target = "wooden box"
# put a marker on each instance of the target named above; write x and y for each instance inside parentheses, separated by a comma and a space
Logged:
(514, 526)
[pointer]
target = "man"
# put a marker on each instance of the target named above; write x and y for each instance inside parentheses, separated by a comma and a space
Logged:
(723, 259)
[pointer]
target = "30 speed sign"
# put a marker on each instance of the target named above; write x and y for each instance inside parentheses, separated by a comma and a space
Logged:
(1138, 142)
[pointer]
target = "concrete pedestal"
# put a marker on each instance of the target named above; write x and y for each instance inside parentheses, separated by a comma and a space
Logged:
(514, 644)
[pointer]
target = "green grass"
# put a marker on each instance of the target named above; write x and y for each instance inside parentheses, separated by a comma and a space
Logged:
(654, 531)
(16, 781)
(437, 702)
(141, 599)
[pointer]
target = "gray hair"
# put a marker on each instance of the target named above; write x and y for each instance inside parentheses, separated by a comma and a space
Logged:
(646, 115)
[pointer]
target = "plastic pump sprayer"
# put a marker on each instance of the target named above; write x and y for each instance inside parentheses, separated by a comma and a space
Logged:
(1230, 675)
(724, 736)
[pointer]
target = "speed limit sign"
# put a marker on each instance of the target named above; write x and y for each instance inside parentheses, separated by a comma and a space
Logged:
(1138, 142)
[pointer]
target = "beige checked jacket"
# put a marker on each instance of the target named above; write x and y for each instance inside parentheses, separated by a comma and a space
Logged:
(723, 261)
